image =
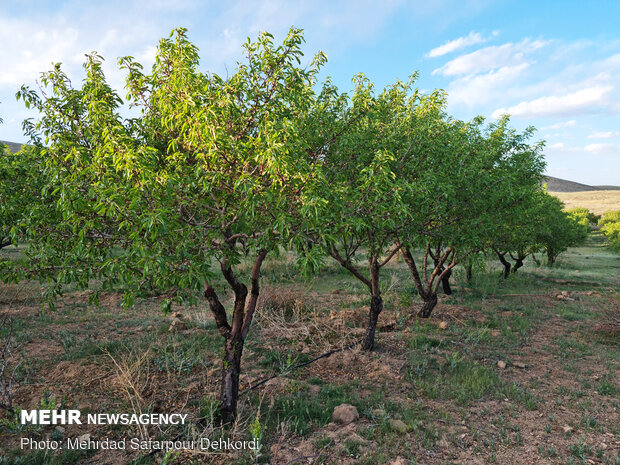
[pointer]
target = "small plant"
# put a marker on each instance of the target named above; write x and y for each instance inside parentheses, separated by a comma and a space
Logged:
(209, 409)
(256, 430)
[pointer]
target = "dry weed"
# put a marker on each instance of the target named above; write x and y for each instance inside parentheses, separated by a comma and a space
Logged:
(133, 378)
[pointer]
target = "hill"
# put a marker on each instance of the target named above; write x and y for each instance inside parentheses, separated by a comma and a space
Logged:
(13, 146)
(562, 185)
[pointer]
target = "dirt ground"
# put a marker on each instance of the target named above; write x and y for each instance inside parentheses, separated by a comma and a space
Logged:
(515, 372)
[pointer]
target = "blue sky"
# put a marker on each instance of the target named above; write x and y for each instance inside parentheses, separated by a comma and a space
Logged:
(551, 64)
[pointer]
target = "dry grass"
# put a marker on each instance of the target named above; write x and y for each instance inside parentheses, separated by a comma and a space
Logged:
(598, 202)
(133, 379)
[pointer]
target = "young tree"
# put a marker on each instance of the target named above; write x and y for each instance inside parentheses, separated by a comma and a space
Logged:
(610, 226)
(477, 178)
(212, 172)
(557, 230)
(20, 185)
(360, 194)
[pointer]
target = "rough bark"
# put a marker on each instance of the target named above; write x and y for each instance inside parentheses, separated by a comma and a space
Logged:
(376, 306)
(231, 370)
(430, 301)
(518, 263)
(428, 288)
(234, 334)
(506, 263)
(445, 283)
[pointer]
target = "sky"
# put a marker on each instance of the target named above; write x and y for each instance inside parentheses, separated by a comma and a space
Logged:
(554, 65)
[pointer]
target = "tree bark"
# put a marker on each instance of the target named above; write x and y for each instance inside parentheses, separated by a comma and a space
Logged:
(430, 301)
(468, 272)
(445, 283)
(550, 258)
(376, 306)
(234, 334)
(231, 369)
(518, 264)
(504, 262)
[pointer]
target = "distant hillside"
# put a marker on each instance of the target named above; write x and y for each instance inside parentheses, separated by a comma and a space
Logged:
(13, 146)
(562, 185)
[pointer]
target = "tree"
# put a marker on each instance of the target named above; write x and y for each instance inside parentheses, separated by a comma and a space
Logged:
(212, 172)
(360, 194)
(610, 226)
(471, 179)
(20, 184)
(557, 230)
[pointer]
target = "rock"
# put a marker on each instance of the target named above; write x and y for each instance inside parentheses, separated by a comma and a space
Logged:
(443, 443)
(60, 429)
(501, 364)
(400, 461)
(314, 389)
(177, 325)
(345, 413)
(399, 426)
(357, 439)
(443, 325)
(603, 446)
(178, 315)
(379, 413)
(564, 295)
(496, 333)
(567, 429)
(518, 364)
(84, 437)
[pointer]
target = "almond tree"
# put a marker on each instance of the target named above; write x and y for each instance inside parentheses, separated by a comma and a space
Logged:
(474, 178)
(211, 172)
(359, 199)
(20, 184)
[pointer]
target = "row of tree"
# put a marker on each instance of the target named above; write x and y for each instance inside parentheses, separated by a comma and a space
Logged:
(609, 224)
(214, 174)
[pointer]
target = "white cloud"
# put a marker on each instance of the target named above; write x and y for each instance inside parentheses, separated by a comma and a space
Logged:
(488, 58)
(602, 148)
(482, 88)
(472, 39)
(33, 49)
(559, 145)
(579, 102)
(603, 135)
(560, 125)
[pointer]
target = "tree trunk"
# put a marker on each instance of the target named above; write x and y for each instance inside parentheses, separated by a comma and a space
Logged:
(468, 272)
(504, 262)
(430, 301)
(376, 306)
(550, 258)
(376, 303)
(231, 369)
(518, 264)
(234, 334)
(445, 283)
